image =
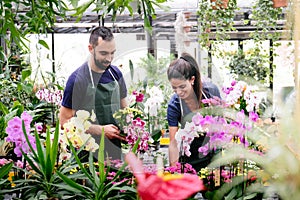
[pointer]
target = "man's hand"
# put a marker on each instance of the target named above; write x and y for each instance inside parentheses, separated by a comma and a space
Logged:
(112, 132)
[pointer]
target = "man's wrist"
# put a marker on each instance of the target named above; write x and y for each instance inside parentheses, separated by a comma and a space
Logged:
(101, 129)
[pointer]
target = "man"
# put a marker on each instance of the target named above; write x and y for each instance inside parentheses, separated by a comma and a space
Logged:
(97, 85)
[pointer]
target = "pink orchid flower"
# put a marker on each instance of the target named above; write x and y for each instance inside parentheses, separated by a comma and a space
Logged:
(138, 122)
(159, 186)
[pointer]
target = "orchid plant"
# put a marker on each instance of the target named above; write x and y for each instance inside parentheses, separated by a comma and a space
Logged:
(225, 123)
(75, 131)
(220, 130)
(50, 96)
(16, 136)
(241, 96)
(131, 121)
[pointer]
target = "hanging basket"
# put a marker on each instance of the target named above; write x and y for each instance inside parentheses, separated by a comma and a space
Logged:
(280, 3)
(187, 14)
(217, 4)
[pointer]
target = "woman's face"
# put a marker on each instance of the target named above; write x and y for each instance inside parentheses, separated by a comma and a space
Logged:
(182, 87)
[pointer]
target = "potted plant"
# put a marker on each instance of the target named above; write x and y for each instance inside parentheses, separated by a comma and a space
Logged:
(265, 17)
(280, 3)
(215, 20)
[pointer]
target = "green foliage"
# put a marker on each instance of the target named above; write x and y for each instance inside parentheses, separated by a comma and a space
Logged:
(97, 185)
(251, 64)
(31, 16)
(113, 7)
(42, 181)
(156, 73)
(265, 17)
(215, 16)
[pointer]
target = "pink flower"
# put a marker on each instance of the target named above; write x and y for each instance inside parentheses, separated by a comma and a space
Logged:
(253, 116)
(15, 133)
(138, 122)
(139, 97)
(39, 127)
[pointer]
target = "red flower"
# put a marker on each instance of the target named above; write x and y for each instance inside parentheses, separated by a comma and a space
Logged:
(154, 187)
(139, 97)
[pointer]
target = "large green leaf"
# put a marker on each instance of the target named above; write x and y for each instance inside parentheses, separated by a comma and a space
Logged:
(4, 170)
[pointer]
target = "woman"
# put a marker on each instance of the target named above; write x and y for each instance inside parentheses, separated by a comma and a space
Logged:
(185, 79)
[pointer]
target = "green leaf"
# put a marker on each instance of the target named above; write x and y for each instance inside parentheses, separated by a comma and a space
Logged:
(25, 73)
(101, 157)
(72, 183)
(3, 109)
(54, 149)
(131, 69)
(79, 162)
(40, 153)
(44, 43)
(4, 170)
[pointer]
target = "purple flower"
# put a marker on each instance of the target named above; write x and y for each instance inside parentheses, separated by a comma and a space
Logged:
(253, 116)
(15, 134)
(39, 127)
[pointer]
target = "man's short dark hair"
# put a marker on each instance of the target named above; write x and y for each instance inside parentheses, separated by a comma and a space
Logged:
(100, 31)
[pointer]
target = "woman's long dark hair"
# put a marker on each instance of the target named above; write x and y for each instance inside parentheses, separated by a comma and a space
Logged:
(184, 68)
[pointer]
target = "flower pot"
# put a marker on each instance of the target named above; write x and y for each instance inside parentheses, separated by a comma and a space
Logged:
(223, 4)
(187, 14)
(280, 3)
(187, 28)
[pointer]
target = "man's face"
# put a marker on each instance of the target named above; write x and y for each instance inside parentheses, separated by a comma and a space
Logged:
(104, 53)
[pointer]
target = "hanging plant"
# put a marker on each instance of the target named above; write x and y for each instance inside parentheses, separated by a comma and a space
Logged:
(265, 17)
(215, 19)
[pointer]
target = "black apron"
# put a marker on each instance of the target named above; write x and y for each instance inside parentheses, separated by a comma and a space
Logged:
(105, 100)
(196, 159)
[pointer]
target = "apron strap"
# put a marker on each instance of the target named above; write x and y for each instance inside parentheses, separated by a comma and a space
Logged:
(112, 75)
(91, 76)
